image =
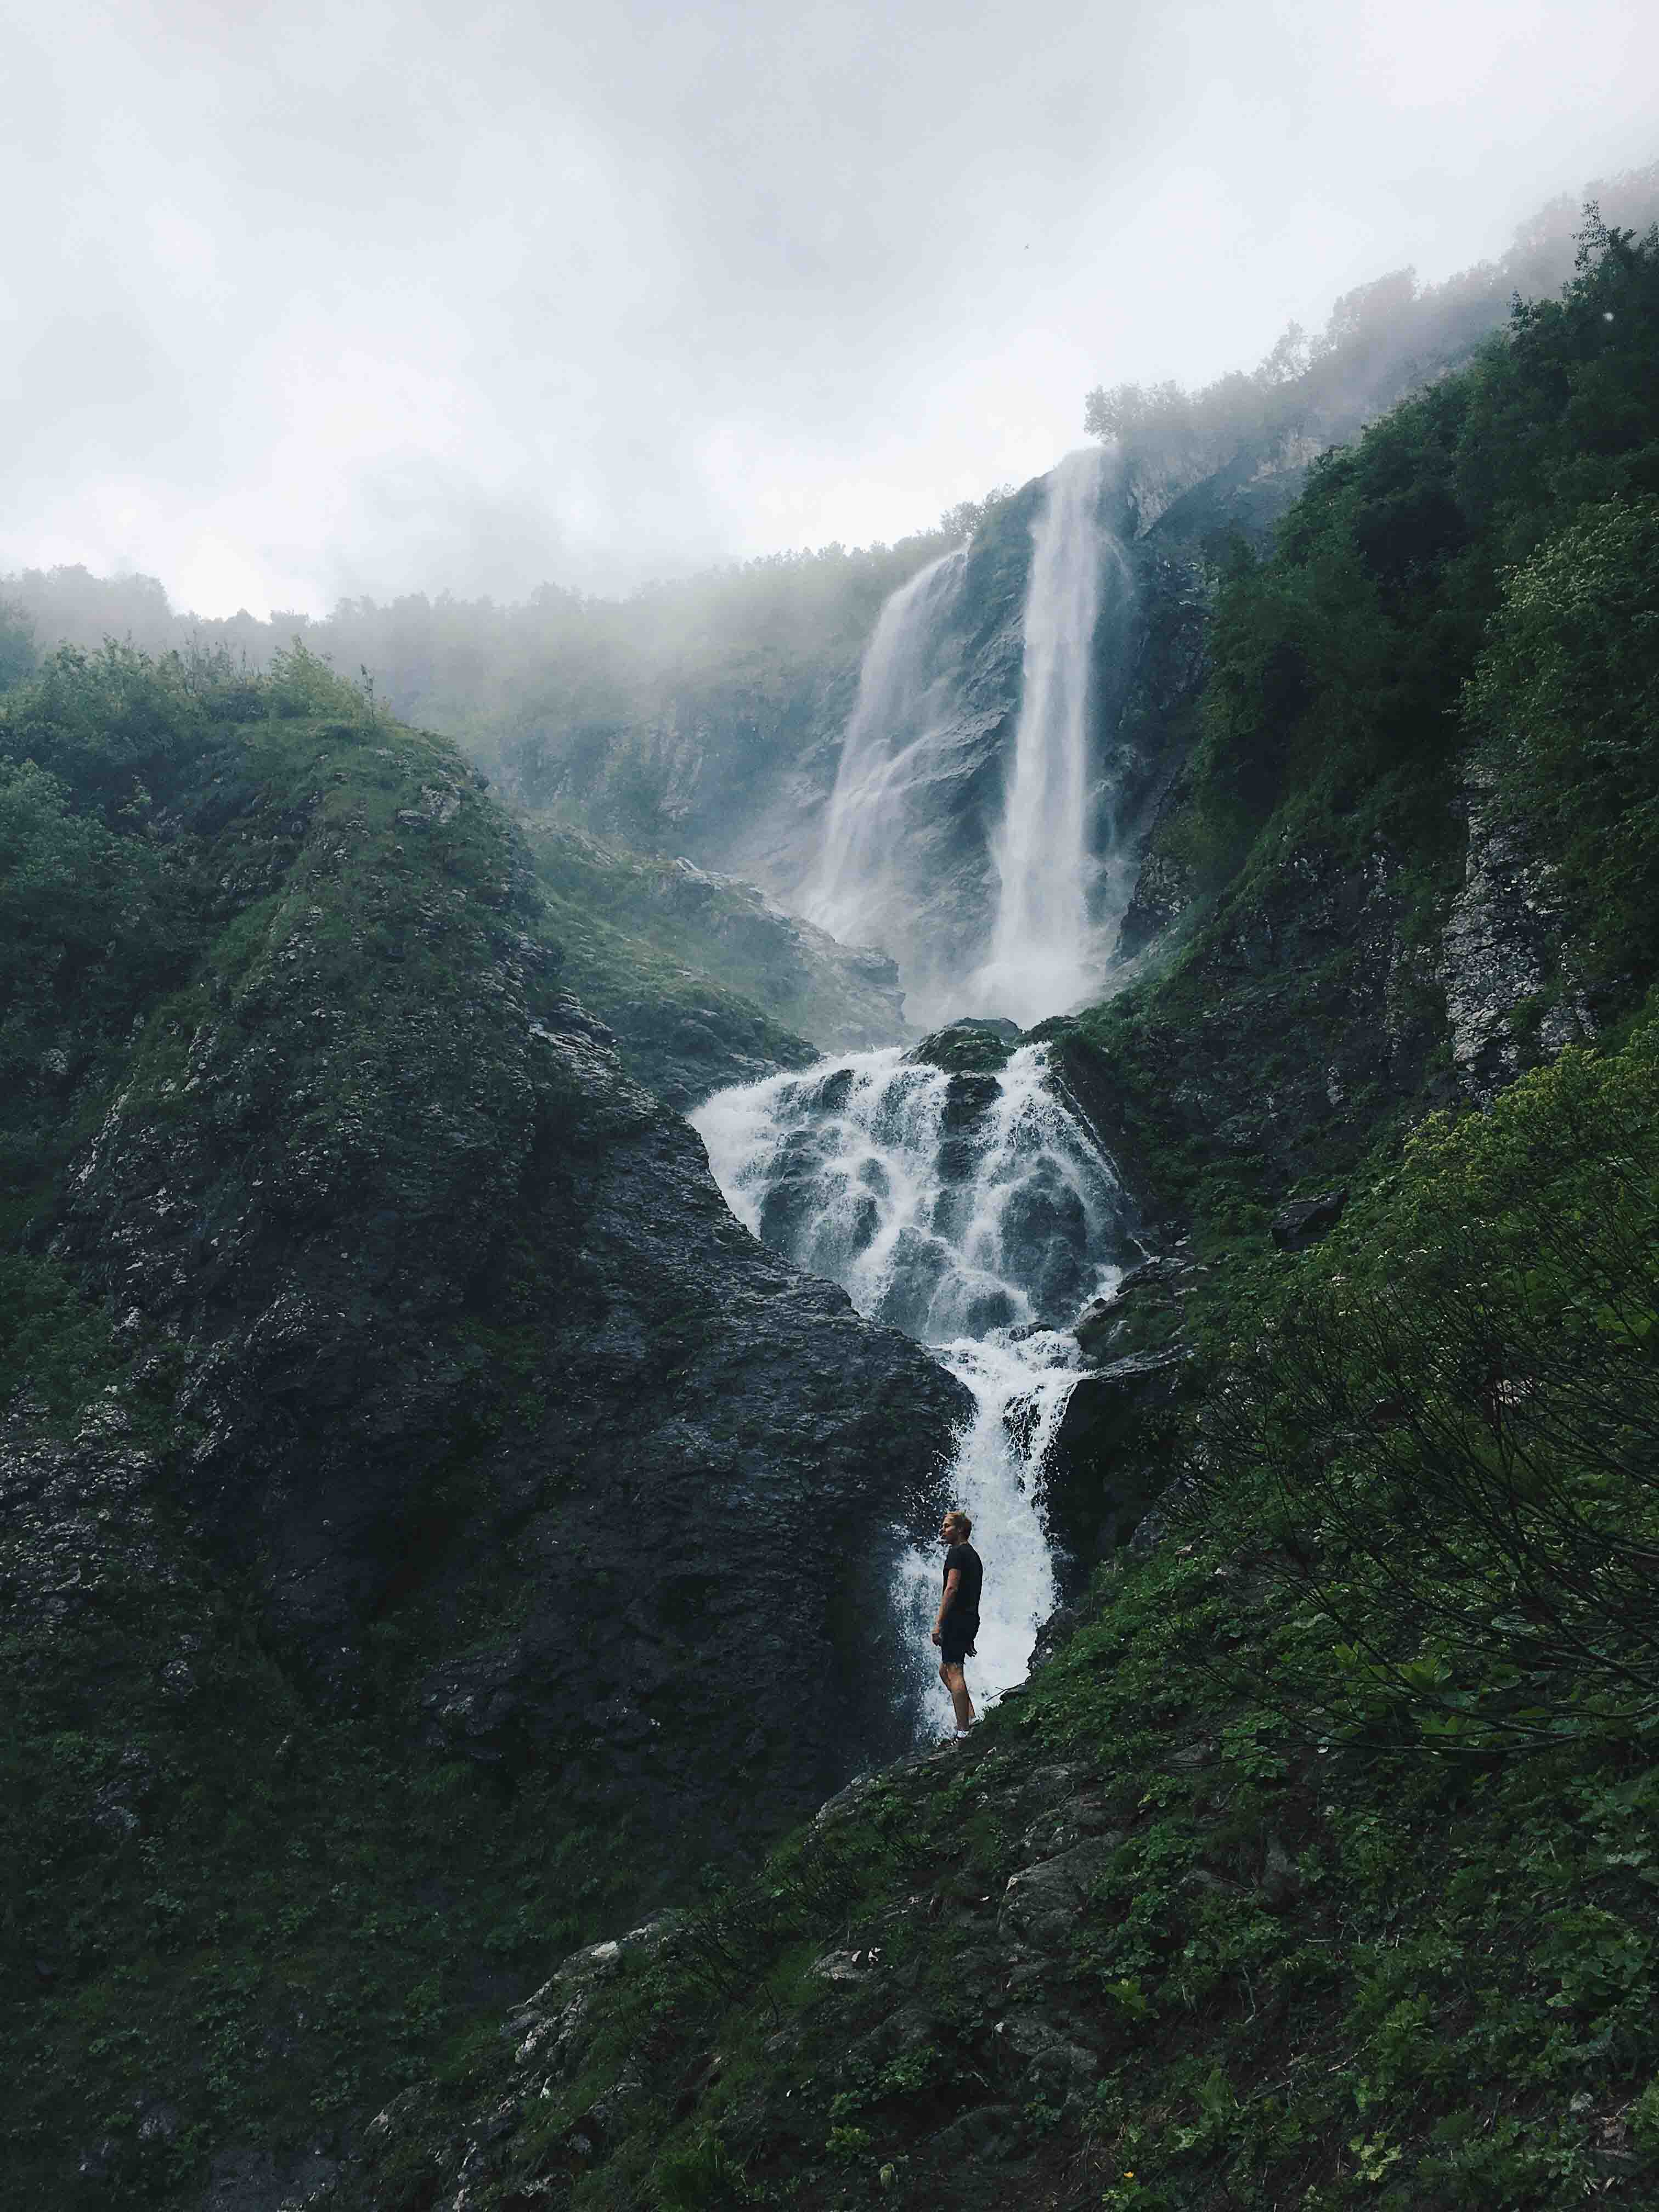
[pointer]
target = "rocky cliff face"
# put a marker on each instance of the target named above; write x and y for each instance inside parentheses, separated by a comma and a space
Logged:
(453, 1428)
(704, 980)
(444, 1281)
(748, 792)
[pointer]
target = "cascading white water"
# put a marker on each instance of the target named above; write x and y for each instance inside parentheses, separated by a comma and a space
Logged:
(996, 910)
(976, 1214)
(1045, 953)
(857, 892)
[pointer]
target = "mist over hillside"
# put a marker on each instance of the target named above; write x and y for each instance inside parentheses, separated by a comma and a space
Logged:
(564, 696)
(496, 1299)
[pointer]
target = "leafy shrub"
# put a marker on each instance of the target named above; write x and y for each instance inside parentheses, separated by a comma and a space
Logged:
(1453, 1412)
(1566, 698)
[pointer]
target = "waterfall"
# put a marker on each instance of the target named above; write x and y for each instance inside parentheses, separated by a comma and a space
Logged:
(972, 856)
(1046, 950)
(888, 755)
(975, 1213)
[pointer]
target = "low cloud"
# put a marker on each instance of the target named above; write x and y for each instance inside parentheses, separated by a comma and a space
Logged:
(326, 298)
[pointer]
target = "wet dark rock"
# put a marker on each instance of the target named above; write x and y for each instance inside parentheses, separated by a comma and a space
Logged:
(441, 1277)
(1307, 1221)
(1053, 1633)
(685, 1054)
(1105, 1471)
(1142, 1314)
(974, 1045)
(1501, 953)
(967, 1099)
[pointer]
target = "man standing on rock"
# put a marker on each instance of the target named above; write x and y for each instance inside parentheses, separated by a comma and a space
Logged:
(958, 1614)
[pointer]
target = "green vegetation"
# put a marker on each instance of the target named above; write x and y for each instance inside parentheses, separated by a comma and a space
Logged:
(1450, 1417)
(222, 1907)
(1467, 592)
(1349, 1782)
(1347, 1786)
(1381, 339)
(1335, 1941)
(233, 1908)
(575, 702)
(1566, 695)
(1338, 660)
(631, 924)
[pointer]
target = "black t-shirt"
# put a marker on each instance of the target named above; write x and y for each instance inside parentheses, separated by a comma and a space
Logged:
(964, 1606)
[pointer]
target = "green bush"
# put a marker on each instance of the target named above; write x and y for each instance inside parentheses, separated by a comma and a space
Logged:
(1566, 699)
(1452, 1412)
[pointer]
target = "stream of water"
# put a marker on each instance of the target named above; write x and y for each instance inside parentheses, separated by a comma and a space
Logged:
(976, 1214)
(1047, 952)
(890, 755)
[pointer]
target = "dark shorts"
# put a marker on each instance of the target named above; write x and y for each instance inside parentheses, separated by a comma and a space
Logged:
(956, 1643)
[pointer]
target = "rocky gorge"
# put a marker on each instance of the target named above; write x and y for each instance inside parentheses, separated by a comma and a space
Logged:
(431, 1778)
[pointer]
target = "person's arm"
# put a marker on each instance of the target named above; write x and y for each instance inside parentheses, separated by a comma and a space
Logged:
(946, 1601)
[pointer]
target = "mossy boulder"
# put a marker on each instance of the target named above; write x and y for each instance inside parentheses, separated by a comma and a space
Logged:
(976, 1045)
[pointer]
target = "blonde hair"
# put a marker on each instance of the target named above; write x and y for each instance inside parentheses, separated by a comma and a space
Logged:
(959, 1521)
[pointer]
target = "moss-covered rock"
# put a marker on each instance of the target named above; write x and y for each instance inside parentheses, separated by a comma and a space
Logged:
(972, 1046)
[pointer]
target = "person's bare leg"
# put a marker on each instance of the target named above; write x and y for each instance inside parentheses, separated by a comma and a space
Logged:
(955, 1683)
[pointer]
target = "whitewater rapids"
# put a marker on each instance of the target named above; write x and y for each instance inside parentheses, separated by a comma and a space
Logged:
(975, 1213)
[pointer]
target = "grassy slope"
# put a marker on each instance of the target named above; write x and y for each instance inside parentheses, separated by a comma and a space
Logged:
(220, 1907)
(625, 934)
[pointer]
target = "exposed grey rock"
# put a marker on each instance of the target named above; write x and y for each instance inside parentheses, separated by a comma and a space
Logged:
(245, 2180)
(550, 2031)
(1043, 1903)
(1281, 1878)
(97, 2162)
(158, 2120)
(988, 2131)
(1052, 2064)
(325, 1228)
(1501, 952)
(1307, 1221)
(796, 961)
(844, 1966)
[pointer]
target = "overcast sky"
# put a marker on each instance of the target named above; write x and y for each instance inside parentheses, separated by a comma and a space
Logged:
(312, 298)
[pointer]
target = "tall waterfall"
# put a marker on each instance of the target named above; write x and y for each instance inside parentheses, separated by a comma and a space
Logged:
(889, 756)
(972, 855)
(1045, 953)
(974, 1214)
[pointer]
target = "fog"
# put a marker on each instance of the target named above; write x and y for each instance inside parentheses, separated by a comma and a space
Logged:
(325, 301)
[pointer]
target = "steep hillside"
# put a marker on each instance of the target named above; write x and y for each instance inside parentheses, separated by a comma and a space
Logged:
(698, 974)
(407, 1461)
(405, 1453)
(1315, 1865)
(680, 720)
